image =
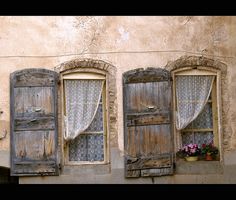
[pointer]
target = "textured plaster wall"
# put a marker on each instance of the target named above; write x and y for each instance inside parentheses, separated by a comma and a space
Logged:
(127, 42)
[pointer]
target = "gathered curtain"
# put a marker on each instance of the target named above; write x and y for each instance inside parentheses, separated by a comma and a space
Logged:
(192, 93)
(82, 99)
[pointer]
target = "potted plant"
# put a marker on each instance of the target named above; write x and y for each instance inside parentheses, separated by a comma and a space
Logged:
(190, 152)
(209, 151)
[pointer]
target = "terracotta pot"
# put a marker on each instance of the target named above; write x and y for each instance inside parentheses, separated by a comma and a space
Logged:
(191, 158)
(208, 157)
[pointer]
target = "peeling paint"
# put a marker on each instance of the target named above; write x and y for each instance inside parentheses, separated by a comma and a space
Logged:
(124, 35)
(220, 34)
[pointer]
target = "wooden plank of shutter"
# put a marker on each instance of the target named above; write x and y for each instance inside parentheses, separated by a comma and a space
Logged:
(34, 123)
(38, 103)
(33, 77)
(147, 123)
(34, 134)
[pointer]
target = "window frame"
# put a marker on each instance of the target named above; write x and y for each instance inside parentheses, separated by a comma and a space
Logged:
(77, 75)
(216, 103)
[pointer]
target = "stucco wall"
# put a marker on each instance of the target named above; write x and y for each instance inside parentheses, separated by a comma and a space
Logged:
(127, 42)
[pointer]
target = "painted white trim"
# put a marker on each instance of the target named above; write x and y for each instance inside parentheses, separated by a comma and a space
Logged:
(196, 72)
(84, 76)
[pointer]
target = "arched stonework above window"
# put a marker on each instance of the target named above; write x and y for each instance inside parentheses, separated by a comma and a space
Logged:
(87, 63)
(192, 62)
(99, 67)
(195, 61)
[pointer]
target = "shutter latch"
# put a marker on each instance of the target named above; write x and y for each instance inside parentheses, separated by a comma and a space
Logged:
(37, 109)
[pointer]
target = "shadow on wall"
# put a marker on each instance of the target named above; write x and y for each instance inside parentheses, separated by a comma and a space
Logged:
(5, 177)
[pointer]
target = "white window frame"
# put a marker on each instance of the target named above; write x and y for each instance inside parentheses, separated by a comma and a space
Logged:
(216, 103)
(86, 76)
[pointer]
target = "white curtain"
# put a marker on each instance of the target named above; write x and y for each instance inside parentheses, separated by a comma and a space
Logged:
(192, 93)
(82, 100)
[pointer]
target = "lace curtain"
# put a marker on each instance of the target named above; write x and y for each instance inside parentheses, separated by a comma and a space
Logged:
(192, 93)
(82, 100)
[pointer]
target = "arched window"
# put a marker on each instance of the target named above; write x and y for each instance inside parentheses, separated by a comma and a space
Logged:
(196, 116)
(84, 107)
(87, 94)
(198, 84)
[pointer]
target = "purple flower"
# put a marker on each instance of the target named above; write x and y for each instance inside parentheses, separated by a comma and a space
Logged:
(189, 150)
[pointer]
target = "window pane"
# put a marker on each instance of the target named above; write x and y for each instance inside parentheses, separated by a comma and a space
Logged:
(204, 119)
(198, 138)
(187, 138)
(203, 137)
(97, 123)
(78, 149)
(87, 147)
(95, 147)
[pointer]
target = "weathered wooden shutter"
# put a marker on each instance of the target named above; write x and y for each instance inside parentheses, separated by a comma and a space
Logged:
(147, 122)
(34, 122)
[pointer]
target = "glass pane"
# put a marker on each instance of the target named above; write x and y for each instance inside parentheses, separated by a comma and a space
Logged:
(204, 119)
(97, 123)
(187, 138)
(198, 138)
(87, 147)
(203, 138)
(95, 147)
(78, 149)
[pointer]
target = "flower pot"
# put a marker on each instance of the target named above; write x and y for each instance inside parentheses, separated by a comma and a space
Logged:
(208, 157)
(191, 158)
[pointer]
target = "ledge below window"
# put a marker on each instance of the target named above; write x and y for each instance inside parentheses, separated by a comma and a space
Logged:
(91, 169)
(198, 167)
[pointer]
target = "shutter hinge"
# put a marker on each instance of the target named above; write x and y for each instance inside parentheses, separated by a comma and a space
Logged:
(59, 82)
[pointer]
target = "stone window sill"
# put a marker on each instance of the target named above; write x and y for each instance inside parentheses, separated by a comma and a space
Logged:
(99, 169)
(198, 167)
